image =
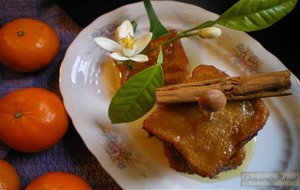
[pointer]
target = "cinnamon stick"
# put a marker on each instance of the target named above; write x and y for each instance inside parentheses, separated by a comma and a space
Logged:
(235, 88)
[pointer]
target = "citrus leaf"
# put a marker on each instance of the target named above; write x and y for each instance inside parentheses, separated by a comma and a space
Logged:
(156, 26)
(252, 15)
(160, 57)
(137, 96)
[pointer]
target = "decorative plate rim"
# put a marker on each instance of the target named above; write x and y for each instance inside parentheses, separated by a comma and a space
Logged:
(111, 143)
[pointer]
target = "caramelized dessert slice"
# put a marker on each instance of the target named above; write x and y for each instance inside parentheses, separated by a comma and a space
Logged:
(177, 161)
(175, 64)
(207, 144)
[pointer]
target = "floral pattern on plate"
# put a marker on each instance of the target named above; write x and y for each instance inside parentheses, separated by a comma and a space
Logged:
(125, 152)
(246, 59)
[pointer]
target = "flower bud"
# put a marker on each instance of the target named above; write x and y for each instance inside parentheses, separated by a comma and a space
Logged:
(209, 32)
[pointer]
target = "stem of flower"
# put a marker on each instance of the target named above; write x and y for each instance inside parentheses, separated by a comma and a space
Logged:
(180, 35)
(184, 34)
(203, 25)
(129, 64)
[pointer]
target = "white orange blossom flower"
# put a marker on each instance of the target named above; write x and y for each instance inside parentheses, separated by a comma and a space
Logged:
(126, 47)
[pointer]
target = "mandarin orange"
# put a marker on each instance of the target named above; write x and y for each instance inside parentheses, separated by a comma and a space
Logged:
(32, 119)
(58, 180)
(27, 44)
(9, 177)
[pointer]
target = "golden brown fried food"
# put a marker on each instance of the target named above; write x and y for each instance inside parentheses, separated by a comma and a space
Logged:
(177, 161)
(207, 144)
(175, 64)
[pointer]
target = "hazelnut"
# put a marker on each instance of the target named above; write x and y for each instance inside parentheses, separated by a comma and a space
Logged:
(212, 100)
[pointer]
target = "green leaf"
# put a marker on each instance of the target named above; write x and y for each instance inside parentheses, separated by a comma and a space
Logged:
(160, 57)
(252, 15)
(156, 26)
(137, 96)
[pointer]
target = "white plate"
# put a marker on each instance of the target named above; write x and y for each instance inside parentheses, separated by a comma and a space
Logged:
(88, 80)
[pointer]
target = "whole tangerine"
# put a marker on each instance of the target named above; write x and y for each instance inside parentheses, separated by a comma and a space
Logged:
(32, 119)
(27, 44)
(9, 177)
(58, 180)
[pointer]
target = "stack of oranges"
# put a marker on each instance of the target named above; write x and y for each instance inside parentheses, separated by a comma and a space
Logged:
(32, 119)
